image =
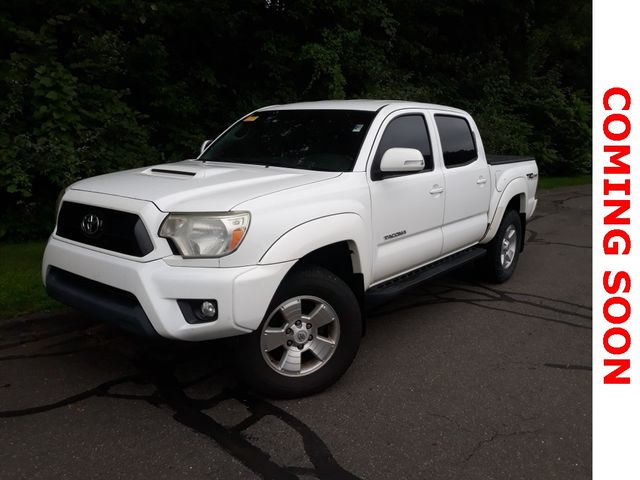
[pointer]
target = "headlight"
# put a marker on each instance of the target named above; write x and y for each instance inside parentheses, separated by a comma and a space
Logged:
(205, 234)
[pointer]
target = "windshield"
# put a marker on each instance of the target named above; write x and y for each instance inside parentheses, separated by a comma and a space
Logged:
(327, 140)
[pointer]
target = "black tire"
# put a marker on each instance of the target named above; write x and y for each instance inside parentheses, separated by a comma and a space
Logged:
(308, 281)
(495, 270)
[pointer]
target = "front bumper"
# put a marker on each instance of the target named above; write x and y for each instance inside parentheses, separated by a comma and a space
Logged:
(117, 286)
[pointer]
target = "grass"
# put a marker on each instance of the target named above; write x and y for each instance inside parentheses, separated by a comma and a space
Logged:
(21, 289)
(552, 182)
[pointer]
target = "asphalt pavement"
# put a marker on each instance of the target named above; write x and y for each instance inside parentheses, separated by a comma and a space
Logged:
(457, 379)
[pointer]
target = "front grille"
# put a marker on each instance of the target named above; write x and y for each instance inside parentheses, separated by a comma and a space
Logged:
(113, 230)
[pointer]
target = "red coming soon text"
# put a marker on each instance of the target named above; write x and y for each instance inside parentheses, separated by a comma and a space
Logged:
(617, 241)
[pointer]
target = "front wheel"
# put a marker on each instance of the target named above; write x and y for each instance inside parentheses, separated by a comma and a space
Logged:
(308, 338)
(504, 250)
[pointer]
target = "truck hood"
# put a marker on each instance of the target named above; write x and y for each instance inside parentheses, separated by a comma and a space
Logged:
(194, 186)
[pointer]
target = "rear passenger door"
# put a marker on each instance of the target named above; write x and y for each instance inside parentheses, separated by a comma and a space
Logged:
(407, 209)
(467, 182)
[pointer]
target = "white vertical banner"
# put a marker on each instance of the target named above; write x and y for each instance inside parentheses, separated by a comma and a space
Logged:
(616, 239)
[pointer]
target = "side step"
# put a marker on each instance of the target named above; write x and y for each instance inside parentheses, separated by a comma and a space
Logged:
(386, 291)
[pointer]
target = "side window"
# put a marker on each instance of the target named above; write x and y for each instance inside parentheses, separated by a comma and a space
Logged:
(407, 131)
(456, 138)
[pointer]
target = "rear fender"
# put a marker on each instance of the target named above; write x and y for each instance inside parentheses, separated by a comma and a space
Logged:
(515, 188)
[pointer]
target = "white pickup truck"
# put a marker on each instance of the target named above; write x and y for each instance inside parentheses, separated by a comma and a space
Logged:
(285, 226)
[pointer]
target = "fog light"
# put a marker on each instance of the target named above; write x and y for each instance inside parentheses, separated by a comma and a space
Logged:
(198, 310)
(208, 309)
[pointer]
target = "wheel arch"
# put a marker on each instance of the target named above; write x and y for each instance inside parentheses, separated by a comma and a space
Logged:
(513, 198)
(343, 235)
(341, 259)
(337, 243)
(519, 204)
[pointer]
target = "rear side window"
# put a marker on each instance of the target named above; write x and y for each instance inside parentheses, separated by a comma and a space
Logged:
(407, 131)
(458, 144)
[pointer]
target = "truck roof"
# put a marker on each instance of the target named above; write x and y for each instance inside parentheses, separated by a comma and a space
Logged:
(366, 105)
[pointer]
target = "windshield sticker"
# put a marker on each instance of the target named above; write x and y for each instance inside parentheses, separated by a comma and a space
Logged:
(357, 127)
(250, 118)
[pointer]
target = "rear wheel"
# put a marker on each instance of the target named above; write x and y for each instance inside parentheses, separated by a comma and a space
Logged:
(503, 251)
(308, 338)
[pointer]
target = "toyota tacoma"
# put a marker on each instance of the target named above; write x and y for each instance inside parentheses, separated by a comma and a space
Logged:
(286, 226)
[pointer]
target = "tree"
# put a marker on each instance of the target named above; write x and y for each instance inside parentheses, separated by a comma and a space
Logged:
(96, 86)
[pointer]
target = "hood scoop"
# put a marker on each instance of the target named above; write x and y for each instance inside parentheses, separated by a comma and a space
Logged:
(188, 169)
(172, 172)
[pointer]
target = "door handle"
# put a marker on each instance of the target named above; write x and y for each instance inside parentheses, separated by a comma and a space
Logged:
(481, 181)
(436, 190)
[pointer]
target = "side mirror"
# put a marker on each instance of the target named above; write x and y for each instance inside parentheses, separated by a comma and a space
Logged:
(204, 145)
(399, 160)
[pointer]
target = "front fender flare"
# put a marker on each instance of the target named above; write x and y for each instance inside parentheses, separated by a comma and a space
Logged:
(320, 232)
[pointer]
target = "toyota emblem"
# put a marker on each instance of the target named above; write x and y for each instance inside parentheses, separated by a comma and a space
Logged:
(91, 224)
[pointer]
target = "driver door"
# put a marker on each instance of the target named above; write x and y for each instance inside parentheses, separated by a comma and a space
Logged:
(407, 209)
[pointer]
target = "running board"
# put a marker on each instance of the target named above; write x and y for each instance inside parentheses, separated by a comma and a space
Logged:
(386, 291)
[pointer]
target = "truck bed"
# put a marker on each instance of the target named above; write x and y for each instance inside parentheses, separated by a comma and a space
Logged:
(503, 159)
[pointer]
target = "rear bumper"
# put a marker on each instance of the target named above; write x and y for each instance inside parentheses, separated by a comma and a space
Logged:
(143, 296)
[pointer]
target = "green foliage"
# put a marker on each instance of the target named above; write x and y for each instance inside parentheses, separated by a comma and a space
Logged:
(95, 86)
(21, 289)
(545, 182)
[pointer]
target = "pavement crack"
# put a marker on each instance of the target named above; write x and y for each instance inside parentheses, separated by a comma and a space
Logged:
(32, 338)
(449, 419)
(568, 366)
(100, 390)
(40, 355)
(490, 296)
(529, 315)
(315, 448)
(509, 297)
(533, 239)
(189, 412)
(494, 436)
